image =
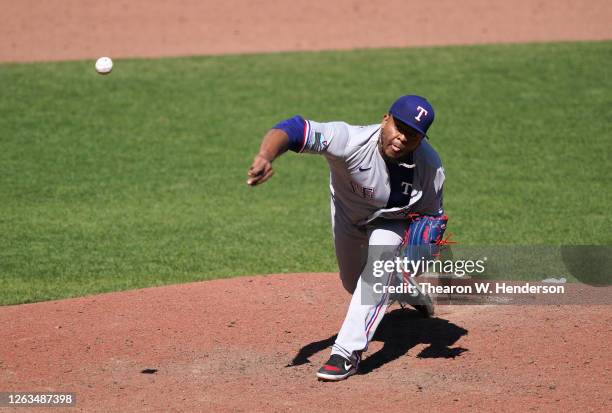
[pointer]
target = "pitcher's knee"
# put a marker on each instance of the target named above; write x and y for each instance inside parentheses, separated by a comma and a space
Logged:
(349, 283)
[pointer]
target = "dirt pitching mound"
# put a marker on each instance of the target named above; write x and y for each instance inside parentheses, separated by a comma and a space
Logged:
(255, 343)
(78, 29)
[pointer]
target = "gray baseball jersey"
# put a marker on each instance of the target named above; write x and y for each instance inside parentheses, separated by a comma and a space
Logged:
(363, 186)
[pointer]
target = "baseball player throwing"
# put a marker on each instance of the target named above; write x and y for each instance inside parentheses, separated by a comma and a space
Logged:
(386, 189)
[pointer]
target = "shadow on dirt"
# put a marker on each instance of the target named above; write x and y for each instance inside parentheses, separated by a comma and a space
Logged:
(311, 349)
(399, 331)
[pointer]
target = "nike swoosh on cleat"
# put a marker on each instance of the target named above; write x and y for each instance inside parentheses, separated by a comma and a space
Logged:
(347, 366)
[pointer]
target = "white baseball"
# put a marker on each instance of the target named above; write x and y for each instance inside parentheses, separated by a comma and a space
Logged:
(104, 65)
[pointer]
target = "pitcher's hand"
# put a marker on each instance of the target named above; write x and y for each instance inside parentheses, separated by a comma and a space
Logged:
(260, 170)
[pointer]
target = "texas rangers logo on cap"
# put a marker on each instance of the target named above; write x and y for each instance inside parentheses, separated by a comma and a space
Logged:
(415, 111)
(422, 112)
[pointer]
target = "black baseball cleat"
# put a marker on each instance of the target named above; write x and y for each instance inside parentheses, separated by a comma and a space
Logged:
(336, 368)
(422, 302)
(425, 310)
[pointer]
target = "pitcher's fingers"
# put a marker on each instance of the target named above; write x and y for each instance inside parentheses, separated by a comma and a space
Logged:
(256, 170)
(255, 179)
(266, 176)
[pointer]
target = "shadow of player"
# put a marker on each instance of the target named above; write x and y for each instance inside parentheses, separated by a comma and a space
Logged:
(399, 331)
(310, 349)
(402, 329)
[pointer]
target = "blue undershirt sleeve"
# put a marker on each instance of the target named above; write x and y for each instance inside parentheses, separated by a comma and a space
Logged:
(294, 128)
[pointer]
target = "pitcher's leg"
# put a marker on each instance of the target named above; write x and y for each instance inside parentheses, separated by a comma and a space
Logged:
(351, 244)
(362, 319)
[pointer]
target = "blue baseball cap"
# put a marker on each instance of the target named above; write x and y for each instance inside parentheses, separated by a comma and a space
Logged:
(415, 111)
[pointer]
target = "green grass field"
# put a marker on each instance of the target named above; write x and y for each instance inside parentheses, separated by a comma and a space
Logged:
(138, 178)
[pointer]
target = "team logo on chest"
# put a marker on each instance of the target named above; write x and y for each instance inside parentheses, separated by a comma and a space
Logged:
(362, 191)
(406, 188)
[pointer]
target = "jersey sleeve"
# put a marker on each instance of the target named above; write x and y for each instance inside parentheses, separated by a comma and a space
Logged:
(307, 136)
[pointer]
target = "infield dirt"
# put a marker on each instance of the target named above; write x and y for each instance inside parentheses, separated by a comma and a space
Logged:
(254, 343)
(32, 30)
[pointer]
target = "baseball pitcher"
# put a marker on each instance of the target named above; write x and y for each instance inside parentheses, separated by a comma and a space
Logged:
(386, 184)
